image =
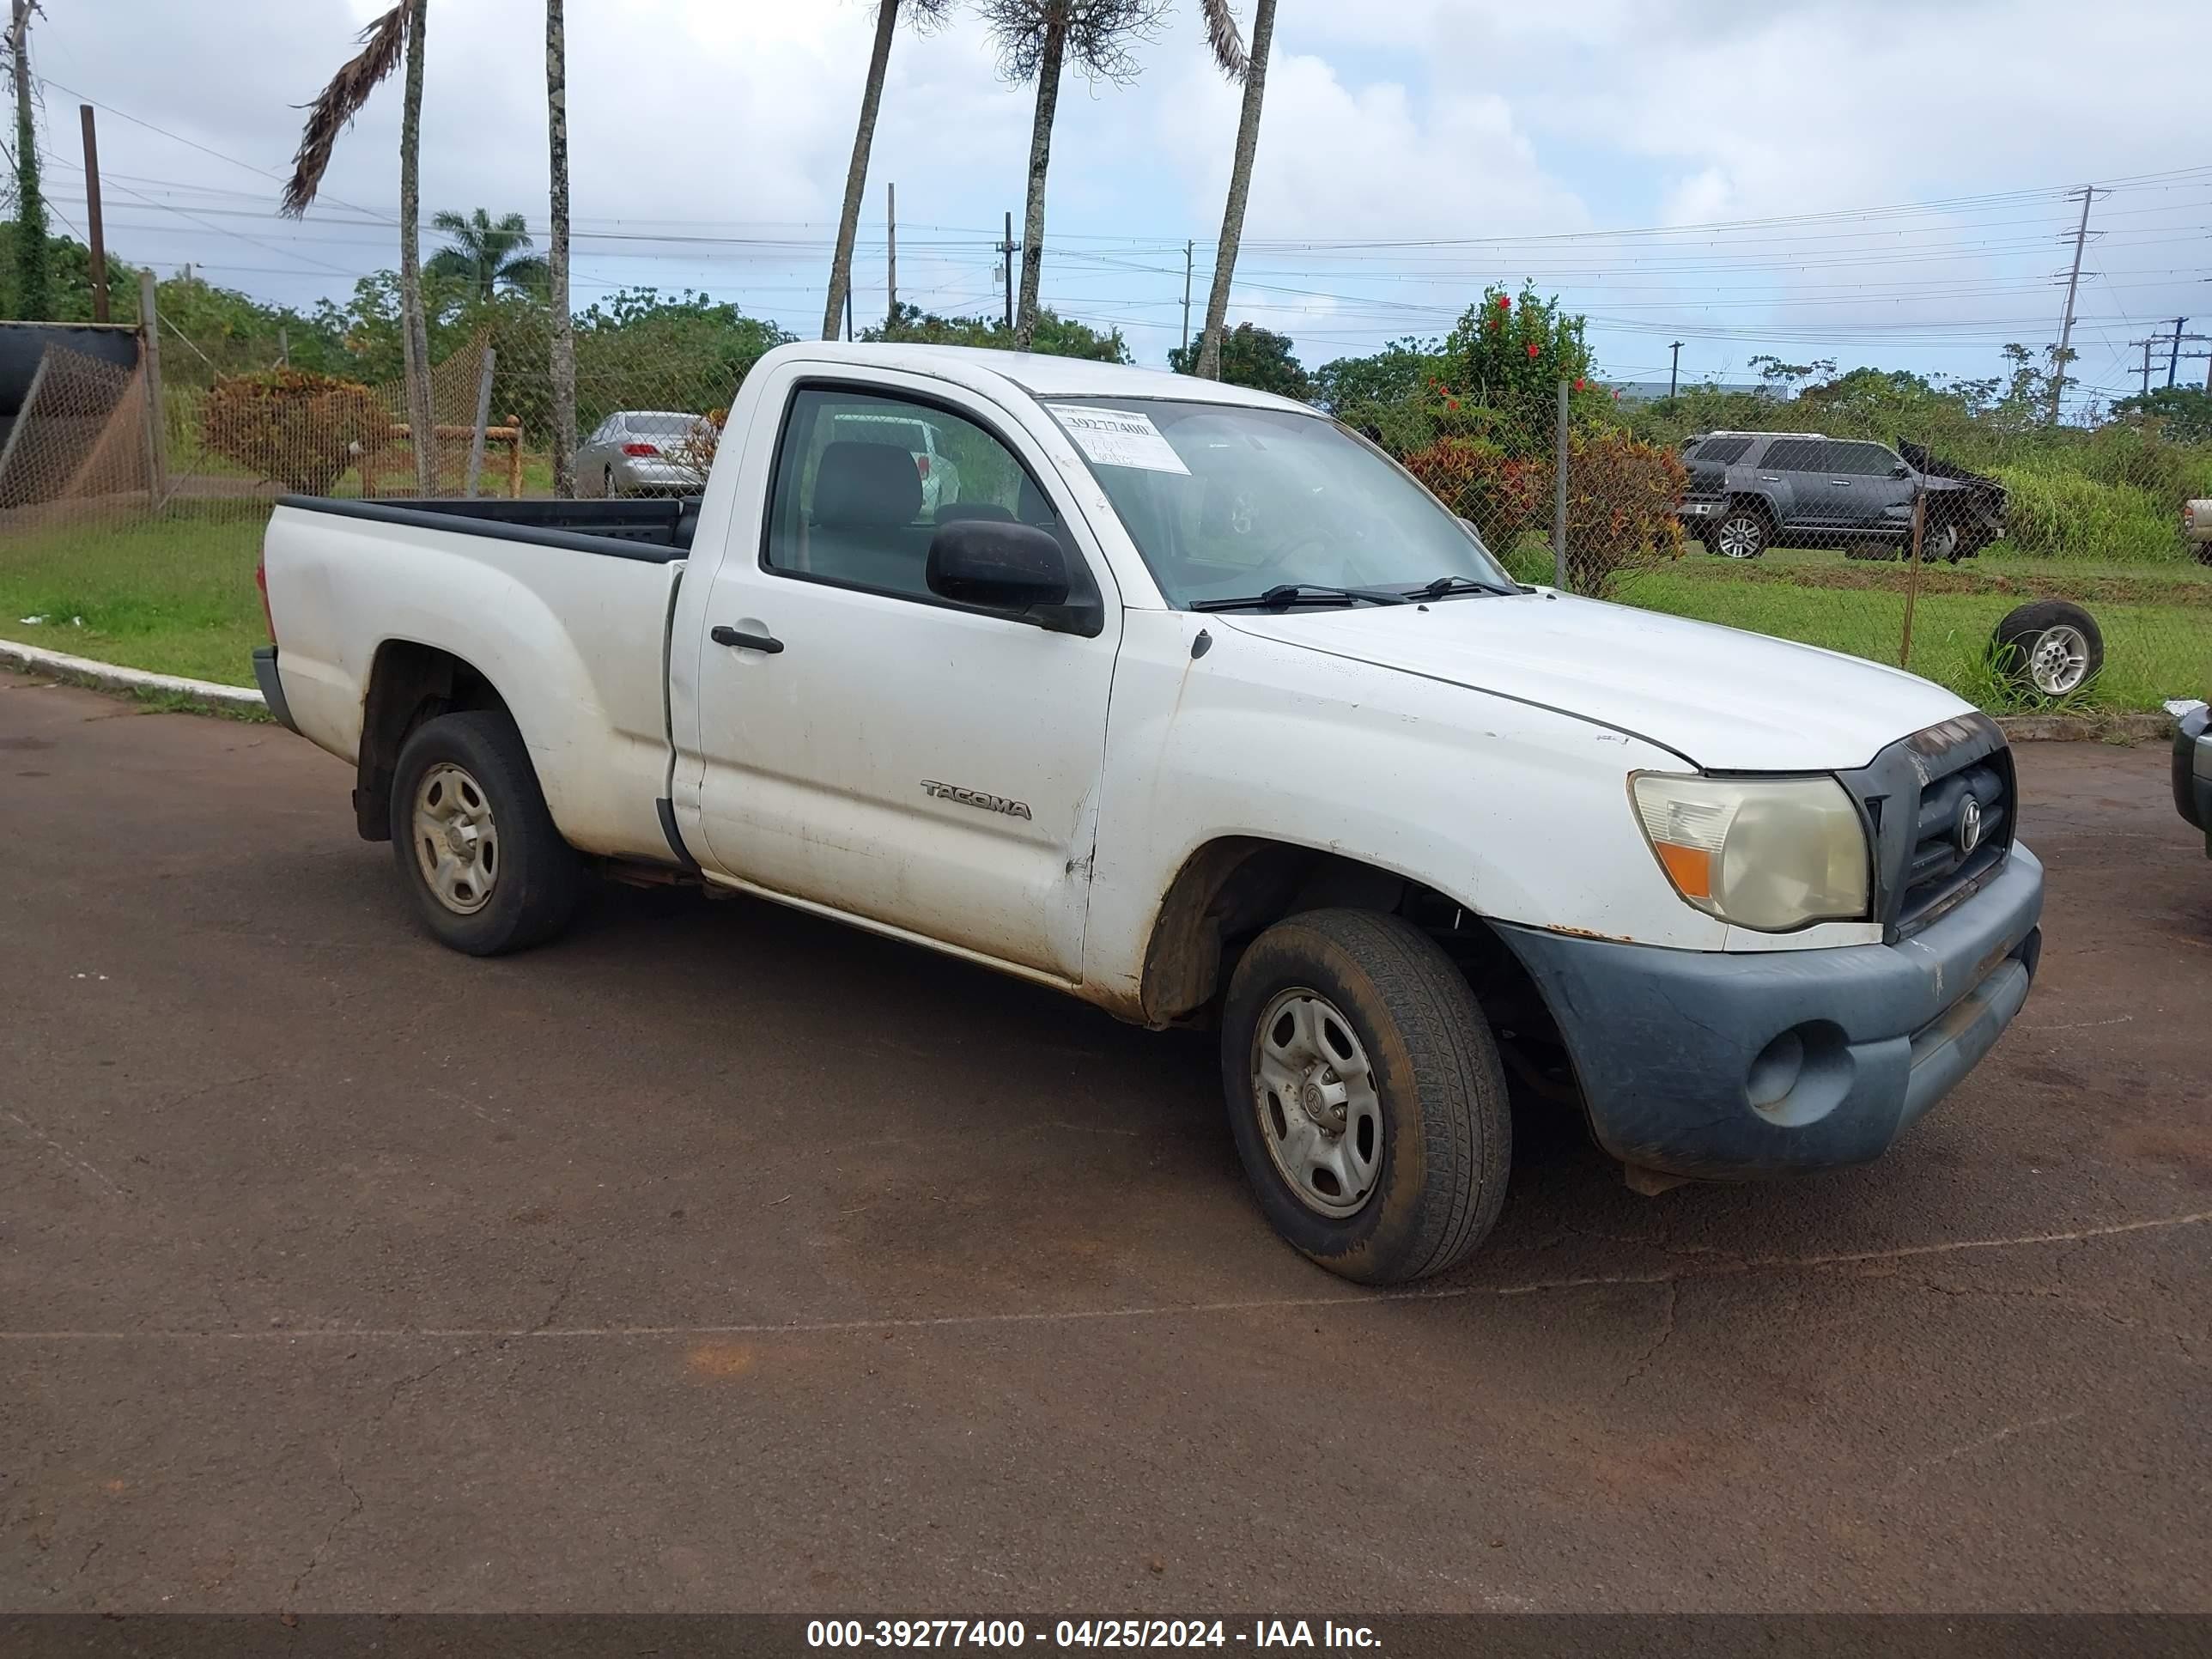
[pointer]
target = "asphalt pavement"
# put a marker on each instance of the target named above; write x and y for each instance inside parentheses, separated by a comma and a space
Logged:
(719, 1258)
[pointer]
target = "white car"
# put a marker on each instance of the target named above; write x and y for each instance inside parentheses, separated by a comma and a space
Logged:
(940, 477)
(644, 451)
(1314, 770)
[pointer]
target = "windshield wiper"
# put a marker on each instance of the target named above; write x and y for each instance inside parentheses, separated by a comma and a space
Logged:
(1284, 595)
(1445, 586)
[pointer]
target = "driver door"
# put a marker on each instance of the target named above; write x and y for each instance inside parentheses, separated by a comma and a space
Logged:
(870, 747)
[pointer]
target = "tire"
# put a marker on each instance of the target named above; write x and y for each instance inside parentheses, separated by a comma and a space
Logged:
(1429, 1110)
(513, 883)
(2052, 648)
(1741, 532)
(1937, 542)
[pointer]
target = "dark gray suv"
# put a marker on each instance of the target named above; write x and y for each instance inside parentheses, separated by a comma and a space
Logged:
(1752, 490)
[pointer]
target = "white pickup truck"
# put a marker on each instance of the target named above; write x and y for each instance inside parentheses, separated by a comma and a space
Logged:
(1193, 705)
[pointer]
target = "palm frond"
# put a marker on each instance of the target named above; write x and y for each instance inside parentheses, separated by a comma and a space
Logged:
(452, 224)
(1223, 37)
(526, 271)
(383, 44)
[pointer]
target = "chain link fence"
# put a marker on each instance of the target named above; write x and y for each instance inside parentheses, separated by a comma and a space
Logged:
(2054, 575)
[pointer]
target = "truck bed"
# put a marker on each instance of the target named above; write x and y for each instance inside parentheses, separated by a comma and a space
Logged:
(657, 529)
(562, 607)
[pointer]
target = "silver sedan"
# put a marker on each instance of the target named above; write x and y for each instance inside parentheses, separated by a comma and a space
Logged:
(641, 452)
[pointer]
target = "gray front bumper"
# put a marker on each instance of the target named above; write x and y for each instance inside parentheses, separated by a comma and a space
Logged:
(1732, 1065)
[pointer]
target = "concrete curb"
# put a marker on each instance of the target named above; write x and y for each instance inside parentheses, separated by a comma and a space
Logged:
(83, 671)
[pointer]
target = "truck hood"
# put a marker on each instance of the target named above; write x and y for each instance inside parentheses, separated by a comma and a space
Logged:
(1721, 698)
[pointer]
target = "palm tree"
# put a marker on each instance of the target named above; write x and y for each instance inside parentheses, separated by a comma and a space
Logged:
(400, 30)
(924, 13)
(1252, 70)
(562, 355)
(1036, 39)
(485, 254)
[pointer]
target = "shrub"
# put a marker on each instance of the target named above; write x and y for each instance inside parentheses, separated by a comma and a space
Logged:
(1499, 494)
(2054, 511)
(1621, 497)
(295, 429)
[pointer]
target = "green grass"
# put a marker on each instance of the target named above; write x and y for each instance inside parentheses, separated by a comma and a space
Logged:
(174, 594)
(2152, 652)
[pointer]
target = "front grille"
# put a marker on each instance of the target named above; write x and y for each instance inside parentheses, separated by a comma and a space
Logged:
(1938, 872)
(1914, 796)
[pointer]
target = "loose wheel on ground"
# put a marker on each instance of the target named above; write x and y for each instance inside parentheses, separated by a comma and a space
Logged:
(474, 842)
(2052, 647)
(1742, 533)
(1365, 1096)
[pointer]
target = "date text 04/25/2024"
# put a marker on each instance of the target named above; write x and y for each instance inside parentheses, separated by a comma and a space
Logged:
(1005, 1634)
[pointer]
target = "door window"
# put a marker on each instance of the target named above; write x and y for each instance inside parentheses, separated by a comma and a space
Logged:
(863, 480)
(1860, 460)
(1792, 455)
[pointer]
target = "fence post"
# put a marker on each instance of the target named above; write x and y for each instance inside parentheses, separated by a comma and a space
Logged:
(1912, 579)
(514, 460)
(1559, 497)
(150, 363)
(484, 419)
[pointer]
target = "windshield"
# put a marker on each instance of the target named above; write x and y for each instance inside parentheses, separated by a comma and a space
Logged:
(1226, 502)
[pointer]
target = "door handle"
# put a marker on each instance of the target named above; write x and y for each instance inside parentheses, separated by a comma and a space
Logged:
(730, 637)
(1839, 483)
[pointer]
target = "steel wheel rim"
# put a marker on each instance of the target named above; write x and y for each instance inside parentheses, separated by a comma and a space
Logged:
(1739, 538)
(1315, 1098)
(2060, 660)
(1937, 543)
(456, 839)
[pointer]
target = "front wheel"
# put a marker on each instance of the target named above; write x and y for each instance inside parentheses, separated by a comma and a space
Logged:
(474, 842)
(1365, 1095)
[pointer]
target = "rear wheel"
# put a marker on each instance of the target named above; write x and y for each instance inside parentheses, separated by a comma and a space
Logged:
(1742, 533)
(1365, 1096)
(474, 842)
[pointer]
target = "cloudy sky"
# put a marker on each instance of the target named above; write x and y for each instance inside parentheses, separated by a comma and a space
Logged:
(1876, 180)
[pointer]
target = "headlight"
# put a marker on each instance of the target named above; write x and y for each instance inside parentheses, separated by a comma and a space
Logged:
(1771, 853)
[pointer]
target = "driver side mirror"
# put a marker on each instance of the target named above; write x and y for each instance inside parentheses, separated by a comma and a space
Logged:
(1010, 567)
(1900, 470)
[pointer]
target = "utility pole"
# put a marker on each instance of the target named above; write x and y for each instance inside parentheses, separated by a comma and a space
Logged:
(2146, 344)
(2174, 357)
(2089, 194)
(890, 224)
(1187, 248)
(1006, 269)
(848, 313)
(1675, 372)
(93, 234)
(34, 279)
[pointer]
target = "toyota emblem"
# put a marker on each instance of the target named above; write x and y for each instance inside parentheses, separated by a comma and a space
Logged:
(1970, 826)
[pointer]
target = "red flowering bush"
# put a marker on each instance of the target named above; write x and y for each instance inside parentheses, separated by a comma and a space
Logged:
(1621, 497)
(1510, 354)
(1499, 494)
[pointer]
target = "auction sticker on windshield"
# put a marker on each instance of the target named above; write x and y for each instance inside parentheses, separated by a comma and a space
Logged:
(1114, 437)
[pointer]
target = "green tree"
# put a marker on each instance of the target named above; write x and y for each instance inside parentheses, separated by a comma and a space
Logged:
(1254, 356)
(2183, 412)
(33, 297)
(1055, 335)
(68, 283)
(487, 253)
(1403, 370)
